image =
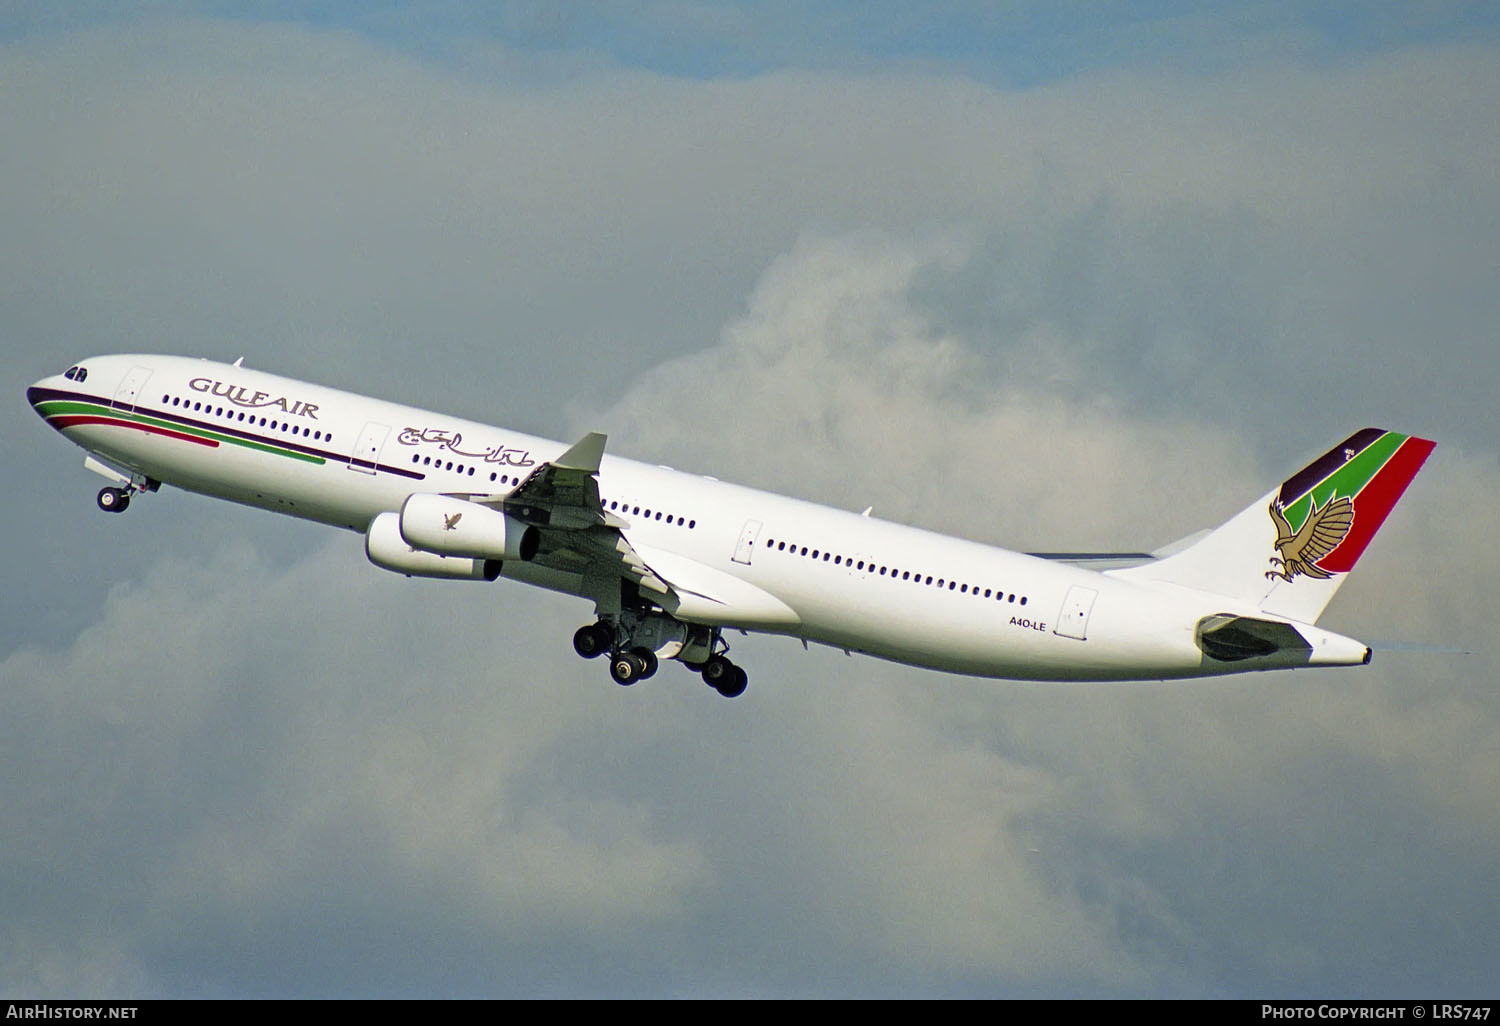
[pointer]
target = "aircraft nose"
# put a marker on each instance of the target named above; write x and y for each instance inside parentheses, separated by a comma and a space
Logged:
(40, 392)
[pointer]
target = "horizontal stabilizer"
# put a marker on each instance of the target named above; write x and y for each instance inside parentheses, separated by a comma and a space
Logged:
(1268, 644)
(1099, 561)
(1230, 638)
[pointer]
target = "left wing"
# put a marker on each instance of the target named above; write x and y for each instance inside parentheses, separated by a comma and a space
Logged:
(578, 535)
(561, 499)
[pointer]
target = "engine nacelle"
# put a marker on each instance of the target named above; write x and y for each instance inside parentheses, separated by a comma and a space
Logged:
(456, 527)
(389, 551)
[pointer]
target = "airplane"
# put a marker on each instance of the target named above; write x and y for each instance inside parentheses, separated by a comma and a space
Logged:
(674, 561)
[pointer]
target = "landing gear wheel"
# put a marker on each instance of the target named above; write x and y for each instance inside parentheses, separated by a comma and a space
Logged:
(593, 641)
(716, 671)
(735, 685)
(647, 660)
(113, 500)
(626, 668)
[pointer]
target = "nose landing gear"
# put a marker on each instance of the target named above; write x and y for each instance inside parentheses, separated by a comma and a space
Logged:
(113, 500)
(116, 497)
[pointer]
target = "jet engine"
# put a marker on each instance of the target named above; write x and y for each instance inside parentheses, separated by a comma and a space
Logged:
(387, 550)
(451, 526)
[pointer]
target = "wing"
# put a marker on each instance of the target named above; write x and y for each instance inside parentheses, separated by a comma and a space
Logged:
(561, 499)
(578, 535)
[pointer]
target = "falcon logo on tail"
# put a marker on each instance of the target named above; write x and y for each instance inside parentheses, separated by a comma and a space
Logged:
(1319, 535)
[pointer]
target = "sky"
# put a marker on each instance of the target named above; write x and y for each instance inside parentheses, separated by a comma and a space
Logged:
(1049, 276)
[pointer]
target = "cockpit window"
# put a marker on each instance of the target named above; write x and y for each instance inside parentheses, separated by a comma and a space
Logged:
(76, 373)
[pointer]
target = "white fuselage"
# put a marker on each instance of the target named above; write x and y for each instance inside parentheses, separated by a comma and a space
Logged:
(837, 578)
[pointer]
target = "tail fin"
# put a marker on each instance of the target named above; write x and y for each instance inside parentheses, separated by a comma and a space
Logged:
(1288, 553)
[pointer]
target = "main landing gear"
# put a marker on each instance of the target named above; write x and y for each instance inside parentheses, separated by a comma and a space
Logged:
(724, 677)
(632, 656)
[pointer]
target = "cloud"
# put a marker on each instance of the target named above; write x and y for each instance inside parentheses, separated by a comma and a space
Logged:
(837, 385)
(231, 740)
(1101, 313)
(191, 184)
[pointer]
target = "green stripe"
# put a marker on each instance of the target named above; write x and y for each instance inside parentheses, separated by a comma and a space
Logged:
(56, 407)
(1350, 479)
(64, 407)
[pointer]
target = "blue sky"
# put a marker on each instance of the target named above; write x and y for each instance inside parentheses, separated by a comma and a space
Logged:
(1049, 276)
(1007, 44)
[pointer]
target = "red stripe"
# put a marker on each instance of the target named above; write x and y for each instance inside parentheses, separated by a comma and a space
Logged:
(75, 420)
(1375, 502)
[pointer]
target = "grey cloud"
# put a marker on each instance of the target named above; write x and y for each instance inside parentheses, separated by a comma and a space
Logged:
(1103, 313)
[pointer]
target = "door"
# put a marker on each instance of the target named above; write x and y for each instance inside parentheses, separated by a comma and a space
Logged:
(130, 387)
(745, 547)
(1073, 621)
(366, 455)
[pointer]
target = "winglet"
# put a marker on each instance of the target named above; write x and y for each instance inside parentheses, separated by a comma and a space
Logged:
(585, 454)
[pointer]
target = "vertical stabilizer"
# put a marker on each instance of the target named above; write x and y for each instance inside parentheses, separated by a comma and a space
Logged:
(1288, 553)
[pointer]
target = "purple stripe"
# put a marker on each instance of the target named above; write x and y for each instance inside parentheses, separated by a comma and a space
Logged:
(38, 395)
(1304, 480)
